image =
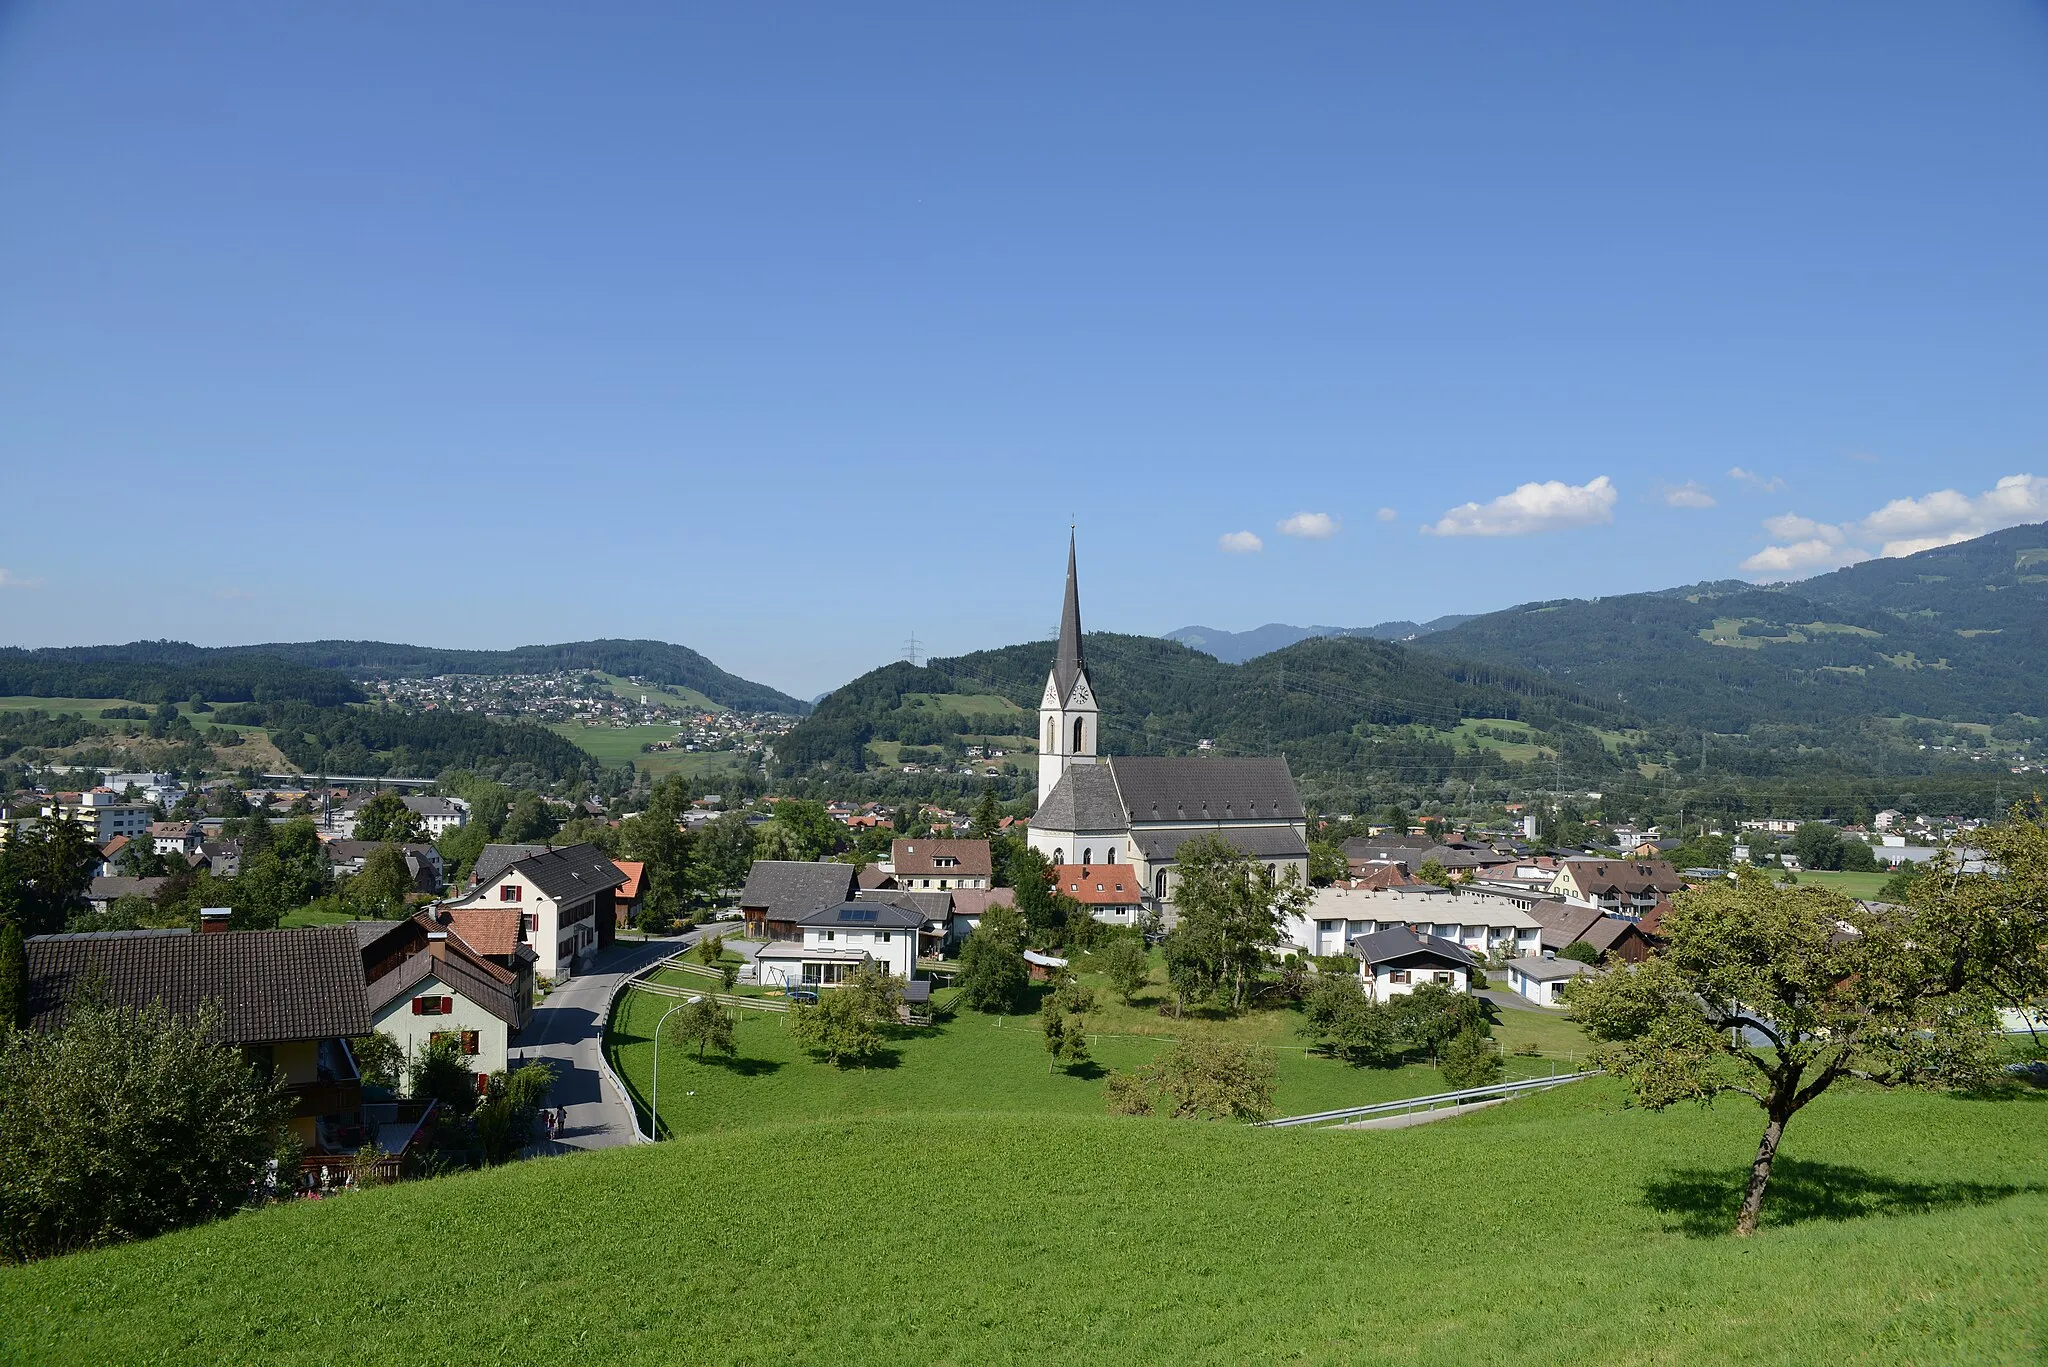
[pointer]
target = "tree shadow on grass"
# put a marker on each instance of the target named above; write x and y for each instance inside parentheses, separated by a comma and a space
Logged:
(1705, 1201)
(742, 1067)
(1087, 1072)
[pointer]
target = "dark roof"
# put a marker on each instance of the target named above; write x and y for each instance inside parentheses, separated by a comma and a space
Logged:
(1067, 663)
(1085, 799)
(1399, 945)
(786, 888)
(865, 914)
(934, 905)
(1618, 876)
(1564, 924)
(430, 806)
(475, 981)
(572, 873)
(1260, 842)
(915, 858)
(107, 889)
(1190, 788)
(272, 985)
(497, 858)
(343, 851)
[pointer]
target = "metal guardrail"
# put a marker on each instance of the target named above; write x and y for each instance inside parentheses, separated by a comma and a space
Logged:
(604, 1021)
(1458, 1098)
(722, 998)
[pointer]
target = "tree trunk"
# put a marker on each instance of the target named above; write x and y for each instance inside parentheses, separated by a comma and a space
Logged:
(1760, 1174)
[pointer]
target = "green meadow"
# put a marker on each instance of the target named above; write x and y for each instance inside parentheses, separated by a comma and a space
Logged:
(1564, 1228)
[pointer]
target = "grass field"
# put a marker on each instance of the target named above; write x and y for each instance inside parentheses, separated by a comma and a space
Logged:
(673, 695)
(1558, 1229)
(615, 746)
(89, 708)
(309, 916)
(1850, 884)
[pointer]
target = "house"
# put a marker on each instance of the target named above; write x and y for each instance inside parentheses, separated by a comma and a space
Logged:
(873, 876)
(1111, 892)
(1542, 978)
(288, 999)
(1140, 810)
(968, 906)
(934, 910)
(423, 980)
(940, 864)
(221, 858)
(839, 938)
(626, 901)
(778, 891)
(1339, 914)
(1393, 963)
(1627, 887)
(1653, 849)
(102, 815)
(1618, 937)
(565, 900)
(438, 815)
(104, 892)
(1043, 967)
(422, 862)
(176, 837)
(1886, 819)
(1412, 852)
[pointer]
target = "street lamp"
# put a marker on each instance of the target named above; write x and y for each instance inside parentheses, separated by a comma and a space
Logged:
(654, 1104)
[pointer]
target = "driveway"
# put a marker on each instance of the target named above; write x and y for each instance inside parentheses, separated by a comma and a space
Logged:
(565, 1032)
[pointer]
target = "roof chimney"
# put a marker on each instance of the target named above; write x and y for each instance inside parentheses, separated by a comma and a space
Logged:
(214, 919)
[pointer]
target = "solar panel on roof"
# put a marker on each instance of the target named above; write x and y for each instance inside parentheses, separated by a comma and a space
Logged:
(856, 914)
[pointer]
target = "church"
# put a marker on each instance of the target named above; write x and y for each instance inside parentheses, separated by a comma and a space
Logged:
(1139, 810)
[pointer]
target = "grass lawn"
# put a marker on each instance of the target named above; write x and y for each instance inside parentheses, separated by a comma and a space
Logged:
(671, 695)
(615, 746)
(1557, 1229)
(312, 916)
(1850, 884)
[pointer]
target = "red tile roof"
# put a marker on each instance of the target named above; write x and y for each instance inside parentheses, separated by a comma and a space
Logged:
(1099, 885)
(634, 870)
(487, 930)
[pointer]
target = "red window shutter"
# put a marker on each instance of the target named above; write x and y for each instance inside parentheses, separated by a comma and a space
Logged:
(483, 1083)
(447, 1005)
(419, 1006)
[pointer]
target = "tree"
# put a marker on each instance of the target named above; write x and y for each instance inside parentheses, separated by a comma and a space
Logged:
(1468, 1062)
(1857, 857)
(531, 819)
(381, 887)
(1231, 907)
(1433, 1015)
(503, 1121)
(1581, 950)
(385, 817)
(1775, 993)
(706, 1022)
(378, 1059)
(709, 948)
(1127, 966)
(878, 991)
(44, 873)
(1200, 1077)
(13, 978)
(1346, 1023)
(1818, 845)
(1326, 863)
(126, 1123)
(993, 973)
(441, 1073)
(812, 832)
(1433, 873)
(724, 852)
(657, 839)
(837, 1029)
(987, 821)
(1397, 820)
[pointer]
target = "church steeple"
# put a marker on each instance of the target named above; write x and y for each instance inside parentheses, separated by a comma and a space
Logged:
(1067, 714)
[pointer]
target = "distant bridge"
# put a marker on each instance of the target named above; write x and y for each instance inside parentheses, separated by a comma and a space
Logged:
(381, 779)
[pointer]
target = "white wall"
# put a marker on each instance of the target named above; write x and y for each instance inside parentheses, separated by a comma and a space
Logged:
(1380, 983)
(895, 948)
(413, 1033)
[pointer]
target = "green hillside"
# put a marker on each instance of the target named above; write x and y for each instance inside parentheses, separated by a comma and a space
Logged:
(1560, 1229)
(1958, 633)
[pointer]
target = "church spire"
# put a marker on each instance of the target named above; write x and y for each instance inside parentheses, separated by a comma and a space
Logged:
(1067, 663)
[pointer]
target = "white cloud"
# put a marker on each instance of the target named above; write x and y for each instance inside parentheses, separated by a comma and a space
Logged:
(11, 580)
(1240, 543)
(1691, 494)
(1386, 515)
(1546, 507)
(1903, 527)
(1755, 480)
(1310, 526)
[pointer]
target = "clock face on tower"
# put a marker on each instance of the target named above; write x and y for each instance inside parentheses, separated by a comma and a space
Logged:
(1081, 692)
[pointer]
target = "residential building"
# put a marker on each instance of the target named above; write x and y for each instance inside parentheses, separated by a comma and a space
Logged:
(838, 939)
(1620, 937)
(940, 864)
(1338, 915)
(176, 837)
(439, 815)
(102, 815)
(779, 891)
(289, 999)
(1111, 892)
(422, 861)
(423, 981)
(968, 907)
(1140, 810)
(1393, 963)
(161, 789)
(1543, 978)
(626, 901)
(1626, 887)
(104, 892)
(565, 900)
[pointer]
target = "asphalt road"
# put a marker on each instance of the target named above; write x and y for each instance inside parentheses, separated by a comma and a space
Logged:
(564, 1031)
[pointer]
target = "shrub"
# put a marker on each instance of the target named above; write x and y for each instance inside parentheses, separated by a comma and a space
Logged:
(1580, 950)
(1199, 1078)
(1468, 1062)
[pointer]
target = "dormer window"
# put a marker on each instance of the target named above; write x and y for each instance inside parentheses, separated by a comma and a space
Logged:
(510, 892)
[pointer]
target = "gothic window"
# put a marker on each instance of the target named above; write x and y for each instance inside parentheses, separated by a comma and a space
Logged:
(1079, 722)
(1059, 856)
(1159, 885)
(1109, 855)
(1050, 743)
(1088, 856)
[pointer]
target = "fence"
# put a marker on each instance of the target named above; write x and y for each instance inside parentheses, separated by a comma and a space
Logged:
(604, 1056)
(1458, 1098)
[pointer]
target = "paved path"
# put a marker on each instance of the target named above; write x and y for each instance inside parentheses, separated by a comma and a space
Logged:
(565, 1032)
(1402, 1122)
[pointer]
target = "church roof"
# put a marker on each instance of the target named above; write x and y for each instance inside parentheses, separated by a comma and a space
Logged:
(1067, 663)
(1085, 799)
(1260, 842)
(1191, 788)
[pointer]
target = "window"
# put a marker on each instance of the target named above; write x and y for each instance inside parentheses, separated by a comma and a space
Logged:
(831, 934)
(1399, 975)
(1109, 855)
(1088, 856)
(432, 1006)
(1159, 884)
(1059, 856)
(885, 936)
(530, 922)
(945, 861)
(465, 1040)
(509, 892)
(1050, 744)
(1443, 978)
(1079, 724)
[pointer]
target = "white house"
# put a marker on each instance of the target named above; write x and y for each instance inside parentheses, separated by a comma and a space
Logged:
(1393, 963)
(565, 897)
(438, 814)
(102, 815)
(1478, 923)
(448, 989)
(1543, 979)
(838, 939)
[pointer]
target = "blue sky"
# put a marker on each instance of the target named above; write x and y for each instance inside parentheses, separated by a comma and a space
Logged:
(786, 332)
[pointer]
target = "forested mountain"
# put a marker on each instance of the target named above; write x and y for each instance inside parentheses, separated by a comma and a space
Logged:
(1959, 633)
(1235, 647)
(169, 671)
(656, 661)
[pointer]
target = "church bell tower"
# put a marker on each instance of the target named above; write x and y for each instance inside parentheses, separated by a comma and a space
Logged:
(1067, 716)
